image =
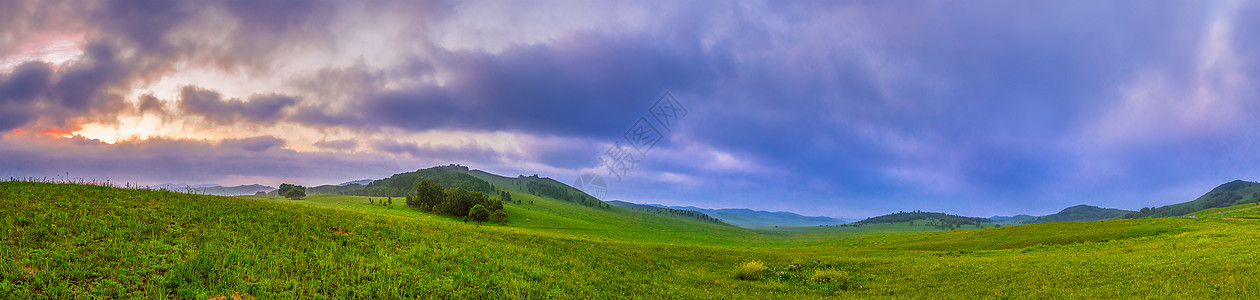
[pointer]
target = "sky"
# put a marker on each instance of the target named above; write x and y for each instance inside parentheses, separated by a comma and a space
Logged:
(836, 108)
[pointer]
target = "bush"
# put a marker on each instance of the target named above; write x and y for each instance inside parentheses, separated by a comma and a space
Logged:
(479, 213)
(751, 270)
(295, 194)
(831, 276)
(499, 216)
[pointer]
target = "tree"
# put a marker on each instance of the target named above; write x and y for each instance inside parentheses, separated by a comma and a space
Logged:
(479, 213)
(428, 196)
(505, 196)
(459, 201)
(499, 216)
(295, 194)
(285, 188)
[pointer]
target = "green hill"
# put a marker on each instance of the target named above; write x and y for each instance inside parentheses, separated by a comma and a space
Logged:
(933, 219)
(403, 184)
(1229, 194)
(81, 241)
(665, 211)
(1079, 213)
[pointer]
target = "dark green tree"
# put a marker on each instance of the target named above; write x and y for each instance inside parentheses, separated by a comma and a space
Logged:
(295, 194)
(285, 188)
(458, 201)
(479, 213)
(429, 195)
(499, 216)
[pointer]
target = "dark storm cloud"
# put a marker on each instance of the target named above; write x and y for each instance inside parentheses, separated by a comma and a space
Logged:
(33, 91)
(210, 105)
(584, 85)
(856, 107)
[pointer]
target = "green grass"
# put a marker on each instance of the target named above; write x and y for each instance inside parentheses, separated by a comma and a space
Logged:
(1241, 211)
(78, 241)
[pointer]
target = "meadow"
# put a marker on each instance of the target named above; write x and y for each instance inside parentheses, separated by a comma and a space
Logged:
(85, 241)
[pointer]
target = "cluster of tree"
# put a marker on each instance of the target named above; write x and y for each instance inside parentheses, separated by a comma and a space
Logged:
(334, 189)
(1228, 194)
(563, 192)
(402, 184)
(386, 203)
(940, 220)
(431, 197)
(507, 197)
(680, 213)
(291, 191)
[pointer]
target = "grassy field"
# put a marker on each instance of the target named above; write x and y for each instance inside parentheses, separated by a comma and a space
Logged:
(80, 241)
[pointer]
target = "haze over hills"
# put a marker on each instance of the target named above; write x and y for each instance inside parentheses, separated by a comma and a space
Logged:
(214, 189)
(359, 182)
(749, 218)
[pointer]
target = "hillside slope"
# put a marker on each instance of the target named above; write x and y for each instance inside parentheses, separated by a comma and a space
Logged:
(1079, 213)
(1229, 194)
(682, 213)
(77, 241)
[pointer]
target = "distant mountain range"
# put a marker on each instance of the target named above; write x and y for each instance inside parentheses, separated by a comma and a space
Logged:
(748, 218)
(358, 182)
(214, 189)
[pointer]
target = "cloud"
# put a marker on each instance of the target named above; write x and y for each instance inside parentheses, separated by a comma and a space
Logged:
(583, 81)
(253, 144)
(469, 154)
(339, 145)
(210, 105)
(850, 108)
(34, 92)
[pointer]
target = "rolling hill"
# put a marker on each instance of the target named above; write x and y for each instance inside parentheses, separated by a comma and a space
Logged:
(1229, 194)
(665, 211)
(1010, 219)
(84, 241)
(1079, 213)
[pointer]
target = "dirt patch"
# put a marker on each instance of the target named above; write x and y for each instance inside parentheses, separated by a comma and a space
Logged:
(29, 271)
(234, 296)
(339, 231)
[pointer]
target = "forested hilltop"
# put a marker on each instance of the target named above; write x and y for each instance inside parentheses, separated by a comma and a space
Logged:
(403, 184)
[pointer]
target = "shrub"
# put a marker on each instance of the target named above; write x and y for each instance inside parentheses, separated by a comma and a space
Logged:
(479, 213)
(499, 216)
(831, 276)
(751, 270)
(295, 194)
